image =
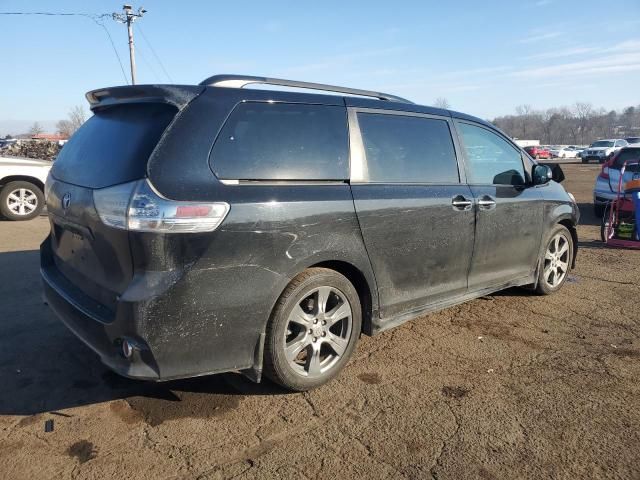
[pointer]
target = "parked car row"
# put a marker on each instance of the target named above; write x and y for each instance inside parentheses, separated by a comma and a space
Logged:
(553, 151)
(565, 152)
(538, 152)
(600, 151)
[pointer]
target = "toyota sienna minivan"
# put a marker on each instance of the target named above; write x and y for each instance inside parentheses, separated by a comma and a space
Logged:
(214, 228)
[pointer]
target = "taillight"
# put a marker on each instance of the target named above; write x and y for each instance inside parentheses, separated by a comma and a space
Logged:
(47, 186)
(606, 165)
(136, 206)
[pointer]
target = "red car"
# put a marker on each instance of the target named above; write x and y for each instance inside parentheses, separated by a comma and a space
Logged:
(538, 152)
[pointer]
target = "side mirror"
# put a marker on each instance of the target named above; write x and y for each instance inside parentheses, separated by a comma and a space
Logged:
(542, 174)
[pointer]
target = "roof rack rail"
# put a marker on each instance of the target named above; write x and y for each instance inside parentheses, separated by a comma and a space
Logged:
(239, 81)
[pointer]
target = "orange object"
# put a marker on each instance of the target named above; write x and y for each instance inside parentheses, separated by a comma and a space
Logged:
(632, 185)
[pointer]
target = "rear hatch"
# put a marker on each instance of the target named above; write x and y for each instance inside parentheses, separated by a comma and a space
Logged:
(629, 155)
(111, 148)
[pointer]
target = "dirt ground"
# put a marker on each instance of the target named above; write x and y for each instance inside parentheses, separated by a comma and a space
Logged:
(507, 386)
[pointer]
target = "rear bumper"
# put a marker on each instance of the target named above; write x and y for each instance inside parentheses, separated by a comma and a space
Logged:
(101, 339)
(602, 198)
(183, 323)
(602, 193)
(102, 334)
(596, 158)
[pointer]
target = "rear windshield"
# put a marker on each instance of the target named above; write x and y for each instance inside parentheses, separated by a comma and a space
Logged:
(631, 156)
(113, 146)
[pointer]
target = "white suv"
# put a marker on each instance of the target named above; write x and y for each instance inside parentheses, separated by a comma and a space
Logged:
(22, 187)
(602, 150)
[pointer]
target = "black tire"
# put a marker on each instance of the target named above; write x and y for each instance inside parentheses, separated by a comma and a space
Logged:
(598, 210)
(542, 287)
(584, 160)
(276, 366)
(35, 196)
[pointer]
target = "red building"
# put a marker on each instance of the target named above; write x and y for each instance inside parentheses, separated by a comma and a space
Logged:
(52, 137)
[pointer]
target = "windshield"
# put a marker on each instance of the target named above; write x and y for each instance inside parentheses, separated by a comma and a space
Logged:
(602, 143)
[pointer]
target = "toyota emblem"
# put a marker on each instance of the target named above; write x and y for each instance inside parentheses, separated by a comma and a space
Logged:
(66, 200)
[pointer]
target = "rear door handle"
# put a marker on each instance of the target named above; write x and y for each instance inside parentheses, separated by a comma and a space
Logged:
(486, 202)
(461, 203)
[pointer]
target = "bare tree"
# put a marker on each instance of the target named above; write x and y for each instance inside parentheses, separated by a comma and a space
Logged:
(73, 122)
(583, 112)
(441, 102)
(578, 124)
(36, 129)
(524, 112)
(548, 120)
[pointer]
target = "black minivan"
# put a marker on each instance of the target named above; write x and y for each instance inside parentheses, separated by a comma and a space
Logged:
(216, 228)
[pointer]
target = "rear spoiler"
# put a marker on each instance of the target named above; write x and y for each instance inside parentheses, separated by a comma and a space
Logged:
(176, 95)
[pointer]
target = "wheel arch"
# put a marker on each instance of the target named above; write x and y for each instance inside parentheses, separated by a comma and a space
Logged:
(570, 225)
(22, 178)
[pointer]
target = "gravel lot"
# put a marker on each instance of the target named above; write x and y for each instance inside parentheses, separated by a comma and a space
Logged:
(507, 386)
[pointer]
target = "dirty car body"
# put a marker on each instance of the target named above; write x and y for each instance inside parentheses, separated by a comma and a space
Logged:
(184, 302)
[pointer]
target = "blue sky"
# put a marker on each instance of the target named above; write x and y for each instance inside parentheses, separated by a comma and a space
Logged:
(485, 57)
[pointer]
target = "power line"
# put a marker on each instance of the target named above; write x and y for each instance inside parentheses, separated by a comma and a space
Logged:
(115, 50)
(97, 18)
(148, 64)
(153, 51)
(59, 14)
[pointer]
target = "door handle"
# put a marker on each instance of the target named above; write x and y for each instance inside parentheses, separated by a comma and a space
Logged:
(486, 202)
(461, 203)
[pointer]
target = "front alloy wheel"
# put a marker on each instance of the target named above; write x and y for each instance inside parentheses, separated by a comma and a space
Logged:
(312, 330)
(556, 261)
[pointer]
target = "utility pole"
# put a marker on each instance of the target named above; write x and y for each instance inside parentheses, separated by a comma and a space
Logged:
(128, 17)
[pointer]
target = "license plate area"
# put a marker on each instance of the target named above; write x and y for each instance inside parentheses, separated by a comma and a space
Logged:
(72, 241)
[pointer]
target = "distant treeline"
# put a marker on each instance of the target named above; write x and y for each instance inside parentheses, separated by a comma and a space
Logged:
(579, 124)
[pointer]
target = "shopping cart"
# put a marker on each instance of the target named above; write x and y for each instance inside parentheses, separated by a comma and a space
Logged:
(621, 220)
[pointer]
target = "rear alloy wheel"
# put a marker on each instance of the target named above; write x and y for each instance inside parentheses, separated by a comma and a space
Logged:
(21, 201)
(556, 261)
(313, 330)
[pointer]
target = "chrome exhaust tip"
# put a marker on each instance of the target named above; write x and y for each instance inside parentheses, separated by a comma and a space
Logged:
(127, 348)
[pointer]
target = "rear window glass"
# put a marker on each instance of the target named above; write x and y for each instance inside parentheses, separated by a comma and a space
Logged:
(278, 141)
(113, 146)
(408, 149)
(629, 156)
